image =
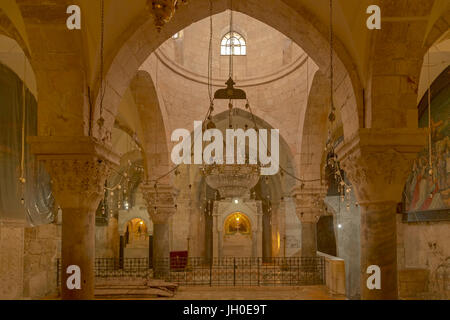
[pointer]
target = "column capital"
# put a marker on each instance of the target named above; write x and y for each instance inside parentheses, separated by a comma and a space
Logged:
(309, 201)
(378, 161)
(160, 201)
(78, 167)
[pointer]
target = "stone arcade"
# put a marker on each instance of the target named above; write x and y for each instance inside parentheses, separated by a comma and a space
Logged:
(361, 117)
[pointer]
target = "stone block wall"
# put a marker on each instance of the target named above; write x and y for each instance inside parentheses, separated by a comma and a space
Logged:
(412, 282)
(11, 259)
(107, 240)
(41, 251)
(334, 274)
(424, 259)
(28, 260)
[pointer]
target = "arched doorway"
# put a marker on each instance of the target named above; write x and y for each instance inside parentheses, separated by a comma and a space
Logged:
(237, 237)
(136, 239)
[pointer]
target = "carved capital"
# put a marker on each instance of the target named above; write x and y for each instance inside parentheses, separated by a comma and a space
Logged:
(78, 167)
(378, 163)
(160, 202)
(78, 182)
(309, 201)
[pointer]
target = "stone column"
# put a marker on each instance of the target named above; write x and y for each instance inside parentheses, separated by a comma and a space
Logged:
(377, 163)
(216, 234)
(121, 251)
(78, 167)
(281, 229)
(309, 206)
(259, 233)
(254, 244)
(161, 207)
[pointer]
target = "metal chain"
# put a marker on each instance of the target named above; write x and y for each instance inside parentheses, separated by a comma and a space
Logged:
(430, 160)
(231, 40)
(102, 36)
(210, 51)
(331, 57)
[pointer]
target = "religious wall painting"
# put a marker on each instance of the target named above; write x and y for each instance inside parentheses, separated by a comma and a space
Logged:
(237, 223)
(428, 189)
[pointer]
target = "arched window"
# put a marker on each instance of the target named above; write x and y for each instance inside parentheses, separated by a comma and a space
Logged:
(233, 40)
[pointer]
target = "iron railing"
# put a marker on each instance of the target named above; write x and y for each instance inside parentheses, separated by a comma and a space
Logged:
(227, 271)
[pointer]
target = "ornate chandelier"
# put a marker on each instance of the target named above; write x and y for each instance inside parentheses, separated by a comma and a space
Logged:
(163, 10)
(232, 180)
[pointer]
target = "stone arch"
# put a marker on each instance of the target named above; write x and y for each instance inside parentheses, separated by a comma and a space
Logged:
(142, 39)
(441, 26)
(281, 183)
(314, 134)
(8, 29)
(18, 62)
(126, 218)
(221, 118)
(154, 141)
(396, 59)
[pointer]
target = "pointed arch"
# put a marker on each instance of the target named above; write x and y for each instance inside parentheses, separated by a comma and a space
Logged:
(154, 141)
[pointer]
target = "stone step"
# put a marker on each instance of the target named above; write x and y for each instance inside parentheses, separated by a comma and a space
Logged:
(124, 291)
(134, 288)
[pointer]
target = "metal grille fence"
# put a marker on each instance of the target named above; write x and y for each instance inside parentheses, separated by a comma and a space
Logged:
(228, 271)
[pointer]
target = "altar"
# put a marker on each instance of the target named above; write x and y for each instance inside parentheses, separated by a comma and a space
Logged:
(237, 228)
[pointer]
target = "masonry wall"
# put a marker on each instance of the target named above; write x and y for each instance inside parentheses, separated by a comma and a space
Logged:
(292, 229)
(42, 247)
(424, 259)
(11, 259)
(28, 260)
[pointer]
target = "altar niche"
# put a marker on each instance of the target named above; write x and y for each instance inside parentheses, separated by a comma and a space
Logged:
(237, 239)
(237, 228)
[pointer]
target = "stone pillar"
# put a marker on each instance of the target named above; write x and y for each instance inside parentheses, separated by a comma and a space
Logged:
(377, 163)
(259, 233)
(220, 243)
(150, 251)
(254, 244)
(121, 251)
(309, 206)
(78, 167)
(281, 229)
(160, 206)
(216, 234)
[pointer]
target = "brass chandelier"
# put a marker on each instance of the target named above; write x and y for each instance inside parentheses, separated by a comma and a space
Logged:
(163, 10)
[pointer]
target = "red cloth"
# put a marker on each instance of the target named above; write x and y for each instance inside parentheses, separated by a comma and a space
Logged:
(178, 259)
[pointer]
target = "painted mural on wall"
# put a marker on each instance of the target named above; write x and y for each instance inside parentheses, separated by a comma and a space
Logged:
(429, 190)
